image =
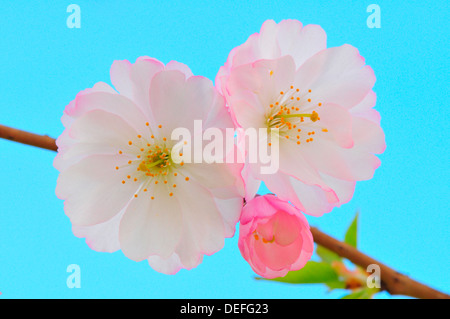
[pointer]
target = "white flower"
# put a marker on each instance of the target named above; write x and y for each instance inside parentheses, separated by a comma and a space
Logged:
(120, 186)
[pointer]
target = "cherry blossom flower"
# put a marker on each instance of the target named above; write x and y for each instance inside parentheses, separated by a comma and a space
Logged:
(274, 237)
(320, 100)
(121, 188)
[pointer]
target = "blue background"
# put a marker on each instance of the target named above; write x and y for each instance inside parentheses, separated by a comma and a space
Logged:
(43, 64)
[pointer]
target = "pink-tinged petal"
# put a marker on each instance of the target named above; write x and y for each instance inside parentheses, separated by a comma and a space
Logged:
(315, 200)
(168, 266)
(64, 142)
(368, 136)
(222, 179)
(278, 257)
(103, 87)
(287, 228)
(247, 115)
(96, 132)
(205, 228)
(151, 226)
(103, 128)
(120, 77)
(294, 162)
(141, 75)
(252, 257)
(274, 41)
(71, 109)
(307, 250)
(113, 103)
(363, 164)
(281, 185)
(262, 80)
(338, 122)
(66, 120)
(218, 115)
(365, 108)
(102, 237)
(174, 65)
(274, 241)
(343, 190)
(310, 199)
(230, 209)
(178, 102)
(266, 46)
(288, 37)
(310, 40)
(251, 183)
(260, 208)
(87, 187)
(188, 251)
(320, 151)
(336, 75)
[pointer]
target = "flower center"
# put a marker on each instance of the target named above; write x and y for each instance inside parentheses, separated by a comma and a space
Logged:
(265, 241)
(155, 160)
(152, 163)
(293, 111)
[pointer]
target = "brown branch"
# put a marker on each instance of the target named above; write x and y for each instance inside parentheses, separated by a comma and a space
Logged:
(42, 141)
(392, 281)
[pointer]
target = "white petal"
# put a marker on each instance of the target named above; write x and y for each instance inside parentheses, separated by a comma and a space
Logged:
(168, 266)
(336, 75)
(101, 237)
(203, 225)
(88, 186)
(151, 226)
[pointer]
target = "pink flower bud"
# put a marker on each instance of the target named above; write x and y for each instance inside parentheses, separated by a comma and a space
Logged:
(274, 237)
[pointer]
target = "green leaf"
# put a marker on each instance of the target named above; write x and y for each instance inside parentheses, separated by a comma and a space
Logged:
(359, 294)
(351, 236)
(364, 293)
(327, 255)
(335, 285)
(312, 273)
